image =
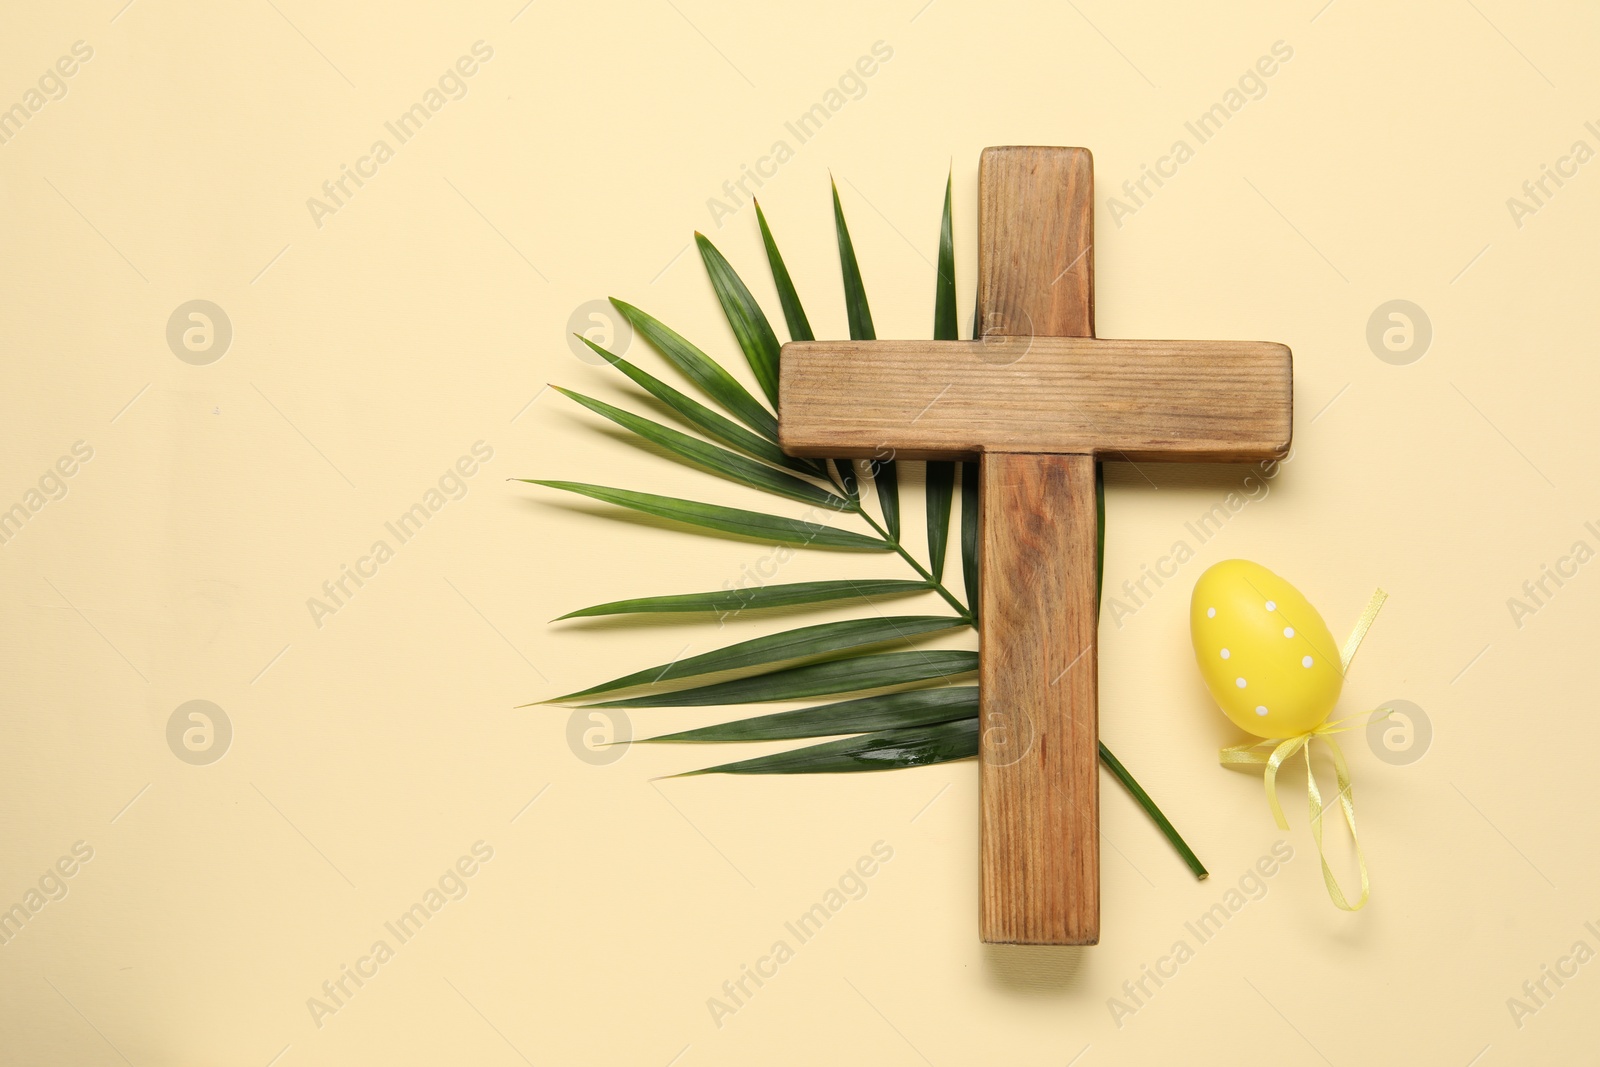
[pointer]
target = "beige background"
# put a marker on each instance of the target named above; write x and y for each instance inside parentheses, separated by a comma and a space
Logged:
(429, 312)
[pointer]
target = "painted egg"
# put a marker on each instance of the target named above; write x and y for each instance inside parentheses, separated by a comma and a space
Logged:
(1263, 650)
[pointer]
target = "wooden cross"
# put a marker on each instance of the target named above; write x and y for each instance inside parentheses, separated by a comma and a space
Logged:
(1036, 401)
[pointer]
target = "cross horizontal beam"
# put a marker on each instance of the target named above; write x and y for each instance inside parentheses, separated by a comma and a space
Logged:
(1213, 401)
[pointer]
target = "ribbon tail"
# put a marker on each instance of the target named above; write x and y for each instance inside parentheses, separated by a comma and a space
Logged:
(1363, 624)
(1270, 778)
(1347, 803)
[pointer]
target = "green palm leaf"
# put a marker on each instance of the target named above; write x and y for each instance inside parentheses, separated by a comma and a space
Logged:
(749, 322)
(915, 746)
(941, 474)
(728, 601)
(801, 643)
(887, 711)
(718, 460)
(705, 420)
(944, 292)
(751, 524)
(793, 314)
(887, 480)
(855, 294)
(1100, 533)
(969, 512)
(876, 670)
(704, 371)
(969, 533)
(941, 490)
(884, 475)
(1142, 798)
(847, 479)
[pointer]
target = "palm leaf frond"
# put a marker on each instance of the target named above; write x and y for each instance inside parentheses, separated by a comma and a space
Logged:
(705, 420)
(941, 474)
(847, 480)
(750, 326)
(876, 670)
(884, 476)
(794, 316)
(944, 293)
(916, 746)
(711, 457)
(752, 524)
(941, 478)
(1099, 533)
(1142, 798)
(969, 533)
(728, 601)
(855, 293)
(701, 369)
(887, 711)
(802, 643)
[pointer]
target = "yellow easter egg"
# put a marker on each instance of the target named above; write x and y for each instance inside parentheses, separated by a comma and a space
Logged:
(1264, 652)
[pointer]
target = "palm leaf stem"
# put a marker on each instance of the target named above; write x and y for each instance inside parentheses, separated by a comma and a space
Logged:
(894, 543)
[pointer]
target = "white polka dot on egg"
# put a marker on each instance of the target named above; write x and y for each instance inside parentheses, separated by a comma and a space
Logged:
(1288, 631)
(1226, 653)
(1306, 662)
(1261, 709)
(1272, 605)
(1211, 613)
(1240, 682)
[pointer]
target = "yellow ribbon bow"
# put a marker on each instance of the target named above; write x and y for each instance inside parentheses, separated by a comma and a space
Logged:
(1252, 754)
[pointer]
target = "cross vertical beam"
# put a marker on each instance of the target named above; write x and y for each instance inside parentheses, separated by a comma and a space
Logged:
(1038, 611)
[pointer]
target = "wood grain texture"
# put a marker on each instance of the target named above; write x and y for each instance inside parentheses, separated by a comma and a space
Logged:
(1036, 242)
(1039, 830)
(1039, 771)
(1216, 401)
